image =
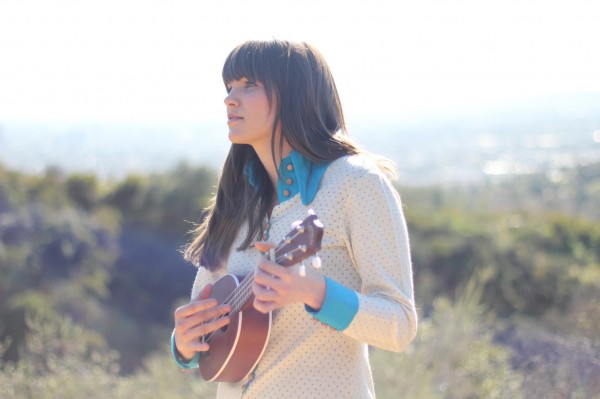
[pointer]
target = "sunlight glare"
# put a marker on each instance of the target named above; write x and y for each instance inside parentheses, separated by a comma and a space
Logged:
(162, 60)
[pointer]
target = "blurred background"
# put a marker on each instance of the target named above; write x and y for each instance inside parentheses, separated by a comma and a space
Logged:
(113, 131)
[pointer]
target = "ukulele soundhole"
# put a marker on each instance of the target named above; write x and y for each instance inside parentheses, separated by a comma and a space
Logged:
(224, 328)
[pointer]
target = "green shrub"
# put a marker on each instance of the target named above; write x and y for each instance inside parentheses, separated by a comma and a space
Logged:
(58, 362)
(453, 356)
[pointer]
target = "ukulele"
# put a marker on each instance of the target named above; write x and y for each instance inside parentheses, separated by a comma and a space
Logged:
(236, 348)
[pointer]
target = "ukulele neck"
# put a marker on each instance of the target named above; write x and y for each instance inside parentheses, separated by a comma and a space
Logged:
(303, 241)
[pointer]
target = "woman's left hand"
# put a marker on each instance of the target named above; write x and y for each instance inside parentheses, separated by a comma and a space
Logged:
(276, 286)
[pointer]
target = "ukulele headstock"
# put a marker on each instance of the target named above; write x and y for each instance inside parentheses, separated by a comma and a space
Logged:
(303, 241)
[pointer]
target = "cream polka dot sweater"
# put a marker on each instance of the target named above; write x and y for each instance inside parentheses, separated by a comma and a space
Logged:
(366, 249)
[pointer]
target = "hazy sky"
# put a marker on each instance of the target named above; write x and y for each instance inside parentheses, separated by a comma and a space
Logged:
(146, 60)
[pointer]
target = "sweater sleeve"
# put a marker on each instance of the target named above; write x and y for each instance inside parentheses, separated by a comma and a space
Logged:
(377, 240)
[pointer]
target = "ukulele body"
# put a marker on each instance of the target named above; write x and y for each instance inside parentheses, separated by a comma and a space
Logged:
(236, 348)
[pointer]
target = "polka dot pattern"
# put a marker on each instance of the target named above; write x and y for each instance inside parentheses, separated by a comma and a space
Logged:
(365, 248)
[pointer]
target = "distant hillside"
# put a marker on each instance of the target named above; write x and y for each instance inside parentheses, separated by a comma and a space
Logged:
(571, 191)
(522, 137)
(534, 135)
(110, 150)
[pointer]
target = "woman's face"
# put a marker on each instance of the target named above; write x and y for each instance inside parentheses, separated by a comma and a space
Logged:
(249, 116)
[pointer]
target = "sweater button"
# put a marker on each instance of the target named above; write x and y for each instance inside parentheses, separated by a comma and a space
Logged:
(288, 181)
(290, 167)
(286, 193)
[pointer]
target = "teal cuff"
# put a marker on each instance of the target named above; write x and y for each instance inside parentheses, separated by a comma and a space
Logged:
(339, 306)
(192, 364)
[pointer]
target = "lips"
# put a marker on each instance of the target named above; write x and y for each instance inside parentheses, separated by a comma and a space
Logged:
(233, 118)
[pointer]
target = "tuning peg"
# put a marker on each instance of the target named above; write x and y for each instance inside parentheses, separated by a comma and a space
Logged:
(316, 261)
(297, 225)
(302, 270)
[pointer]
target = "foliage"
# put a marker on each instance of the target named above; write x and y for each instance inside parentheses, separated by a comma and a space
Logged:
(570, 191)
(454, 356)
(541, 263)
(164, 204)
(555, 364)
(100, 261)
(150, 275)
(103, 254)
(53, 260)
(58, 363)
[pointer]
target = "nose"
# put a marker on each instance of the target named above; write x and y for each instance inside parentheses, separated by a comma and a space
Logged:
(231, 100)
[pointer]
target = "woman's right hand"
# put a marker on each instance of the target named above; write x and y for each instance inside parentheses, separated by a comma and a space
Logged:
(199, 317)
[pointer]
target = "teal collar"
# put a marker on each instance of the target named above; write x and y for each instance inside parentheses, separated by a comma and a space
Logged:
(297, 174)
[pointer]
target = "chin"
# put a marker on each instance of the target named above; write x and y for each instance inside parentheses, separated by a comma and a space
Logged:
(236, 138)
(250, 138)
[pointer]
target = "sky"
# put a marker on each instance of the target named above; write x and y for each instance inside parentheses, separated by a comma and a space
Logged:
(160, 60)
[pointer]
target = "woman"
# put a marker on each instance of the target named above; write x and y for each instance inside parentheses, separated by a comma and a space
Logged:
(290, 152)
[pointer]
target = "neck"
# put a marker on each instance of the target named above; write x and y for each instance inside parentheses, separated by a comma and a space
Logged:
(270, 165)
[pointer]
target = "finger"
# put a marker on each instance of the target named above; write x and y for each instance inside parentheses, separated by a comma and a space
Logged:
(208, 327)
(200, 317)
(194, 307)
(198, 346)
(273, 269)
(213, 313)
(266, 282)
(265, 306)
(264, 246)
(258, 305)
(204, 293)
(264, 294)
(191, 344)
(266, 279)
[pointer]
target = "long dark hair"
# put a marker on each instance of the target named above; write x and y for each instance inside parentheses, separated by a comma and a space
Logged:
(310, 114)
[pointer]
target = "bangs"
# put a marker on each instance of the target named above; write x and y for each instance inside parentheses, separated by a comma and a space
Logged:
(239, 64)
(254, 60)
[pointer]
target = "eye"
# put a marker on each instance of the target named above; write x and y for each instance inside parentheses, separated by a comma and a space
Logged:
(250, 83)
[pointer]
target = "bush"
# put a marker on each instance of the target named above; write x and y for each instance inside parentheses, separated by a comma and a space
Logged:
(56, 361)
(453, 356)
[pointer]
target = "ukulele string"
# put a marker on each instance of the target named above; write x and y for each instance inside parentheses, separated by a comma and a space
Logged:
(245, 288)
(238, 295)
(244, 291)
(242, 294)
(234, 307)
(279, 247)
(234, 294)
